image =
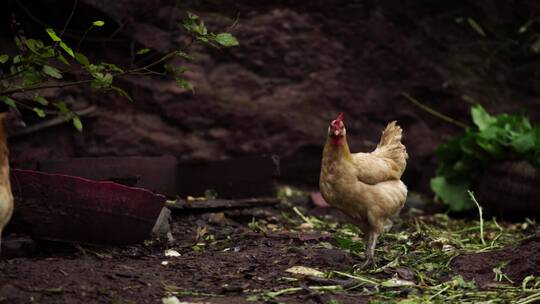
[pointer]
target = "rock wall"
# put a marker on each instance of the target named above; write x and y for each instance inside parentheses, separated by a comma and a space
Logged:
(298, 65)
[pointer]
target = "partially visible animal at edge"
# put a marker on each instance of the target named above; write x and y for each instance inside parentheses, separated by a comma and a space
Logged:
(365, 186)
(6, 197)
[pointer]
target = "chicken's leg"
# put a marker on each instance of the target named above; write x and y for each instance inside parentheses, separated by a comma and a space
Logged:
(371, 249)
(370, 240)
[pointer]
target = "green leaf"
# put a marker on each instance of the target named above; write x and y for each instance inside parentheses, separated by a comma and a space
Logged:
(476, 27)
(452, 193)
(30, 76)
(198, 29)
(143, 51)
(192, 16)
(62, 107)
(481, 118)
(492, 147)
(226, 39)
(82, 59)
(183, 55)
(77, 123)
(9, 101)
(112, 67)
(48, 52)
(52, 71)
(4, 58)
(348, 244)
(41, 100)
(32, 45)
(53, 35)
(39, 112)
(67, 49)
(203, 39)
(183, 83)
(19, 43)
(202, 30)
(121, 92)
(98, 23)
(102, 80)
(523, 143)
(107, 79)
(61, 58)
(94, 69)
(464, 284)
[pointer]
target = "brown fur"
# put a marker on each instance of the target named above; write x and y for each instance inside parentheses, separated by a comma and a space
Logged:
(6, 197)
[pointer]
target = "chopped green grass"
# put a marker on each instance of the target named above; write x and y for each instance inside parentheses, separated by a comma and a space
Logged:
(422, 247)
(426, 246)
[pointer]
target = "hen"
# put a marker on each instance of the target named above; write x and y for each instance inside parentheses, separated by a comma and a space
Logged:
(6, 197)
(365, 186)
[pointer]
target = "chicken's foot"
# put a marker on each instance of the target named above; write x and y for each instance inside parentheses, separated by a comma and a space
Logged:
(370, 239)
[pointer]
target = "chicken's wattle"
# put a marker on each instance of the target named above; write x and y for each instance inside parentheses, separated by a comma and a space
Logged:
(337, 140)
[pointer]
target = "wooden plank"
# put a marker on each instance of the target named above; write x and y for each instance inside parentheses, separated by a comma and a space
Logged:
(158, 174)
(231, 179)
(68, 208)
(181, 204)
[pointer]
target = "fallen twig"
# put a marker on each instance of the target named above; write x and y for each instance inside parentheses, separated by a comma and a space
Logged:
(181, 204)
(346, 284)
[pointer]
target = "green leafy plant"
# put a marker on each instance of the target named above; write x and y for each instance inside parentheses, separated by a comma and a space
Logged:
(39, 65)
(463, 159)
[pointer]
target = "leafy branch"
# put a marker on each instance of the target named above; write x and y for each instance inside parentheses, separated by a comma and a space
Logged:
(39, 66)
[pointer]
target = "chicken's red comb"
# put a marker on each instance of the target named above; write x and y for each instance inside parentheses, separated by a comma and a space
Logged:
(338, 119)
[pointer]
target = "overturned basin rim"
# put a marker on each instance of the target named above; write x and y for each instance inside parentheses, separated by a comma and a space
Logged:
(70, 208)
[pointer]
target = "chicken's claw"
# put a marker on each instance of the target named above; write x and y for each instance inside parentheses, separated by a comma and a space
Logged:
(368, 263)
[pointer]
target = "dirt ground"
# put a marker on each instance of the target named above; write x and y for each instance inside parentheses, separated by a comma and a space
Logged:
(298, 65)
(238, 260)
(233, 256)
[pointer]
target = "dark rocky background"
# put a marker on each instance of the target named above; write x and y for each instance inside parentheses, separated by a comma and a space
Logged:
(298, 65)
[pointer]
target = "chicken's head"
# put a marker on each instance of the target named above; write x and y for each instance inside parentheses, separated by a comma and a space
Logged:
(337, 131)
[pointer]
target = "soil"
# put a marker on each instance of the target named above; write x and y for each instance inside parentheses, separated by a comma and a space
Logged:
(521, 261)
(239, 261)
(235, 263)
(299, 64)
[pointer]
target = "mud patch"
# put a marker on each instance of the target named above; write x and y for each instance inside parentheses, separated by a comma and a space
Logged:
(226, 262)
(521, 261)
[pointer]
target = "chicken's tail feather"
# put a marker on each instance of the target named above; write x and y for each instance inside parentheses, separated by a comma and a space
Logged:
(390, 146)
